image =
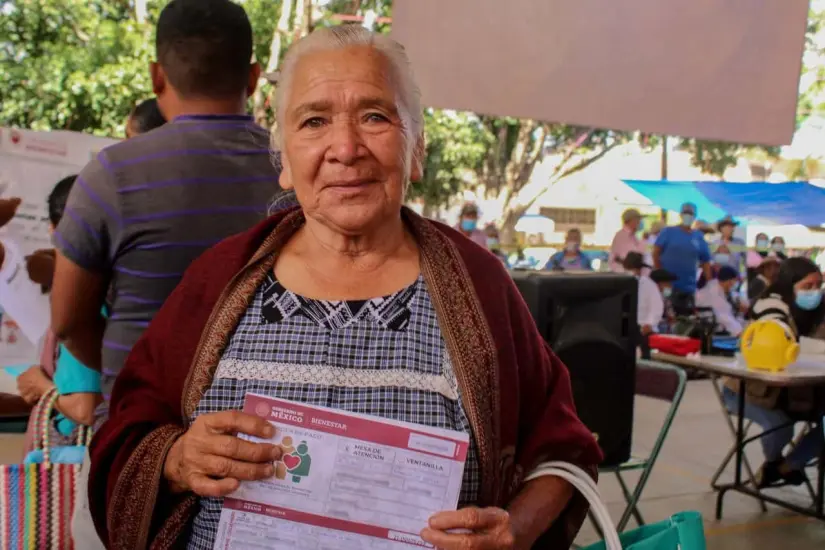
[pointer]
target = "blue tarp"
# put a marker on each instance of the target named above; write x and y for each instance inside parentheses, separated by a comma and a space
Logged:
(795, 202)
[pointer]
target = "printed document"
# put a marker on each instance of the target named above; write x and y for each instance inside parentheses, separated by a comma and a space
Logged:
(20, 298)
(345, 482)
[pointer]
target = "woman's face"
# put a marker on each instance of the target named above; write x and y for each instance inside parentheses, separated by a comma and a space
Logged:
(345, 152)
(813, 281)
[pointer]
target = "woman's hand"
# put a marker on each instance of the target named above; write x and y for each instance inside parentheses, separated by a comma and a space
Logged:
(32, 384)
(211, 461)
(478, 529)
(8, 208)
(40, 266)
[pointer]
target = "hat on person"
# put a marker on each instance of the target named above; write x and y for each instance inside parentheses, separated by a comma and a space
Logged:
(727, 273)
(631, 214)
(727, 220)
(634, 260)
(662, 276)
(469, 209)
(704, 227)
(688, 207)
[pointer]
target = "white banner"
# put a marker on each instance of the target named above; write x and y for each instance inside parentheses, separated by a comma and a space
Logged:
(714, 69)
(31, 163)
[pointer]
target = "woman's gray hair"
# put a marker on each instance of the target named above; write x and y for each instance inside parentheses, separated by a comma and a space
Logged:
(346, 36)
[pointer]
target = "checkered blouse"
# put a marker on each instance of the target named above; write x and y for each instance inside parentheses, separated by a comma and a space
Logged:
(385, 357)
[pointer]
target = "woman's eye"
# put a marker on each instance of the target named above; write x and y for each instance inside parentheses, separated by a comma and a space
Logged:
(375, 117)
(314, 122)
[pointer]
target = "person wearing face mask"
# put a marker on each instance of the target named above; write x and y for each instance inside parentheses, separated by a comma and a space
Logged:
(626, 240)
(682, 250)
(755, 256)
(468, 224)
(651, 306)
(571, 258)
(778, 247)
(715, 294)
(727, 249)
(493, 243)
(762, 244)
(795, 300)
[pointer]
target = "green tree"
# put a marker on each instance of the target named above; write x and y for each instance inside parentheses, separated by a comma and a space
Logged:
(72, 64)
(456, 144)
(518, 146)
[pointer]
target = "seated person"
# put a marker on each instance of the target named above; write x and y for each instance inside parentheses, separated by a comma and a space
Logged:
(795, 300)
(77, 385)
(765, 275)
(651, 305)
(715, 294)
(664, 279)
(571, 258)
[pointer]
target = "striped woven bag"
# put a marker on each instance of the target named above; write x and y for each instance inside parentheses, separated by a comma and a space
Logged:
(36, 500)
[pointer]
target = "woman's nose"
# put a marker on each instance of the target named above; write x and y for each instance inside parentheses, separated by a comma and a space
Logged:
(346, 145)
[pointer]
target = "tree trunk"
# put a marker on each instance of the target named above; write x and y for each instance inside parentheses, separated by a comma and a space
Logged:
(507, 231)
(278, 36)
(140, 11)
(300, 25)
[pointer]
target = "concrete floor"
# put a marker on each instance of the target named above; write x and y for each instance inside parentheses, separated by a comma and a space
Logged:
(697, 443)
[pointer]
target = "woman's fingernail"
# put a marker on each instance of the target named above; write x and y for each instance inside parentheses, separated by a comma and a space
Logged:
(269, 431)
(270, 470)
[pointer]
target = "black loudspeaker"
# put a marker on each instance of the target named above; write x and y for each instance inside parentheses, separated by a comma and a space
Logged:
(589, 319)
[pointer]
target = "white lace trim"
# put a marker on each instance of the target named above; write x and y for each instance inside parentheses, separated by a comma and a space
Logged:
(323, 375)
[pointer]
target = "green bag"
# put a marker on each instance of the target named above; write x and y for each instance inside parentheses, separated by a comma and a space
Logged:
(683, 531)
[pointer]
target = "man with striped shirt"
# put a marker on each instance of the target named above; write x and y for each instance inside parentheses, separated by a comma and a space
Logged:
(145, 208)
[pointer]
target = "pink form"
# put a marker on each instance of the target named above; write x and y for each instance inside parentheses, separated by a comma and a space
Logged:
(346, 481)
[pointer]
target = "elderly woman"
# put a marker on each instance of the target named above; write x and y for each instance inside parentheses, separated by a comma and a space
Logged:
(351, 302)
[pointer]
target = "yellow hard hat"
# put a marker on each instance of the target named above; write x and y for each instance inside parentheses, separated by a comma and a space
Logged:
(769, 344)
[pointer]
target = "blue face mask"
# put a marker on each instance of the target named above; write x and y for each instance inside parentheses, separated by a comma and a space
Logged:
(492, 243)
(762, 244)
(808, 300)
(722, 259)
(469, 225)
(688, 219)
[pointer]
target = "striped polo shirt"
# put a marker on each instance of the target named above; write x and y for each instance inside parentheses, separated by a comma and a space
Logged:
(145, 208)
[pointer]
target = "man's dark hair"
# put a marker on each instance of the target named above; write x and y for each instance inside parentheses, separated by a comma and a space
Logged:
(58, 197)
(147, 116)
(205, 47)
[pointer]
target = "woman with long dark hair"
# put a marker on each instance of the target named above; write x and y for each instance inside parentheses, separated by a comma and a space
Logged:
(796, 301)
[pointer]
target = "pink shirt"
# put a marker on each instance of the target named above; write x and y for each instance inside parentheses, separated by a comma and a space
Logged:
(625, 241)
(477, 236)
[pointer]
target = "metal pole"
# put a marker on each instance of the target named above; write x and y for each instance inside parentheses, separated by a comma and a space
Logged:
(663, 212)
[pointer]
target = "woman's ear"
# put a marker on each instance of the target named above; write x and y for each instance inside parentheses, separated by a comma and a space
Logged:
(285, 180)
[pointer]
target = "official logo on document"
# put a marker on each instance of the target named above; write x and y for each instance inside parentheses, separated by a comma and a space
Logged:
(295, 462)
